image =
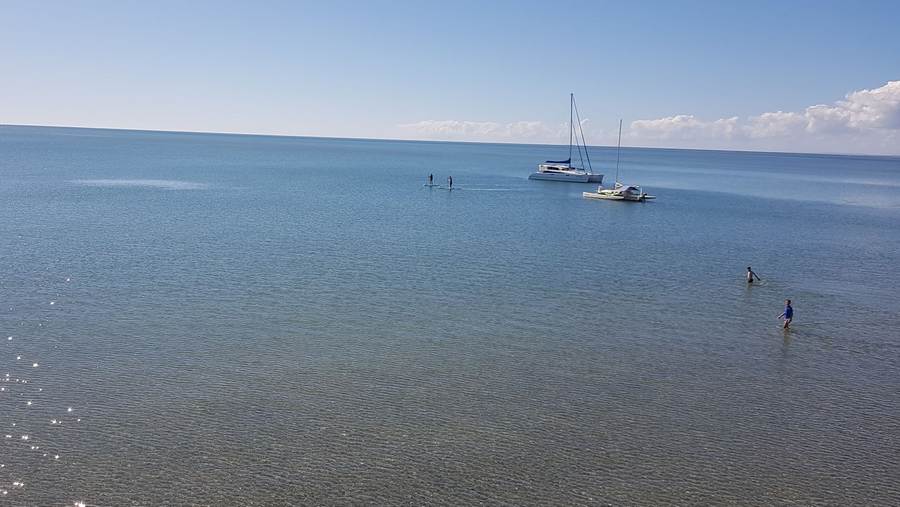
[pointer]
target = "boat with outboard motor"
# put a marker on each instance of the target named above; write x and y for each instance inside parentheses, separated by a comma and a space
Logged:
(564, 170)
(620, 191)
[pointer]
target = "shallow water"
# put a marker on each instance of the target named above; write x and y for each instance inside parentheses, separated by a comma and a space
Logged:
(239, 320)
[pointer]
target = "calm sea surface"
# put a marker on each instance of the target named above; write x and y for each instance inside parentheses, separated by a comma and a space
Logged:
(191, 319)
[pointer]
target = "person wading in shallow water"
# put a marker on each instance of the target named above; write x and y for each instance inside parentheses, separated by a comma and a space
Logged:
(751, 274)
(450, 182)
(787, 314)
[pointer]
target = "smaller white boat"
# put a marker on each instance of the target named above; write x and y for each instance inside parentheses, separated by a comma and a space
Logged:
(620, 193)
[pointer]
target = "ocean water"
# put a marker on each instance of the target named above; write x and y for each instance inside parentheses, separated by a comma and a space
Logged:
(197, 319)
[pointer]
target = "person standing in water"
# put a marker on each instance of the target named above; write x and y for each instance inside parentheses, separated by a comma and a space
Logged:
(450, 182)
(787, 314)
(751, 274)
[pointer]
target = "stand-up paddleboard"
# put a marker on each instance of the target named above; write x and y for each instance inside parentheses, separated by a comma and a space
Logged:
(429, 185)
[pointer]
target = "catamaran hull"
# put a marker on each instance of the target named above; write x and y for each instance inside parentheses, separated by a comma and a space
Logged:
(595, 195)
(618, 197)
(573, 178)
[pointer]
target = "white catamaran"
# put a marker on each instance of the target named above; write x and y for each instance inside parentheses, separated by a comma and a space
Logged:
(620, 191)
(564, 170)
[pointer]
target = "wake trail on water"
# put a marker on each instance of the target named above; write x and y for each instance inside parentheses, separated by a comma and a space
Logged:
(142, 183)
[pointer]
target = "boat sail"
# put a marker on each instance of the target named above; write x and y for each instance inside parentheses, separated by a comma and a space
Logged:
(564, 170)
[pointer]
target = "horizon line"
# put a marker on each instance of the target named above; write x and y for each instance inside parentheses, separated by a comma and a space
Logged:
(296, 136)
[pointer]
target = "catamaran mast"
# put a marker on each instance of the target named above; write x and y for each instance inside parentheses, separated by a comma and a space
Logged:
(571, 127)
(618, 146)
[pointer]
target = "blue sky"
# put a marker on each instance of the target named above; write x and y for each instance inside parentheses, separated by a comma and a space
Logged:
(691, 74)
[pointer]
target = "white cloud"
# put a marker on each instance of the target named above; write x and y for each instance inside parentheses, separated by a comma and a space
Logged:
(878, 108)
(775, 124)
(864, 121)
(684, 127)
(825, 119)
(534, 131)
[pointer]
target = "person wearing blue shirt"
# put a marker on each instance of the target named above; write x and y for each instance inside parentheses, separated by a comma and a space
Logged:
(787, 314)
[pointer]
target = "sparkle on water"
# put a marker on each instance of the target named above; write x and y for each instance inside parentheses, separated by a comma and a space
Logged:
(34, 441)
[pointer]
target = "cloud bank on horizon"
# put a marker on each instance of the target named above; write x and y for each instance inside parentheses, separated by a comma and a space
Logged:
(864, 121)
